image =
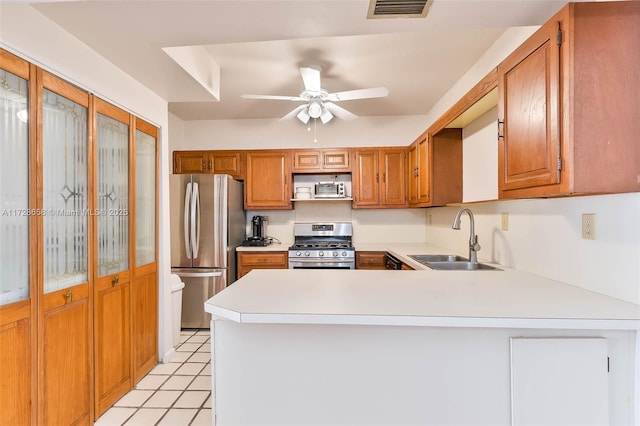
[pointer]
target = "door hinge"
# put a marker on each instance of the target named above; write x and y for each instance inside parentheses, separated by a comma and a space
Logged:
(559, 35)
(559, 163)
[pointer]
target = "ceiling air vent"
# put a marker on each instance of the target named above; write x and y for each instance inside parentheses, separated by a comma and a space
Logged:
(398, 8)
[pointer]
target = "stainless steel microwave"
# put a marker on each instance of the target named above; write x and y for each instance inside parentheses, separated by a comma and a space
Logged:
(330, 190)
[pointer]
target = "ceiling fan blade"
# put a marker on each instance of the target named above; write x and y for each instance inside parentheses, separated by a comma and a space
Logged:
(311, 78)
(294, 112)
(339, 111)
(376, 92)
(275, 98)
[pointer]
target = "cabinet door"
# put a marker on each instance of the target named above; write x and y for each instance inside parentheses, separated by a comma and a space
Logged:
(424, 170)
(412, 174)
(268, 180)
(185, 162)
(112, 286)
(366, 179)
(228, 163)
(559, 381)
(17, 189)
(308, 160)
(393, 175)
(64, 353)
(528, 111)
(144, 288)
(336, 160)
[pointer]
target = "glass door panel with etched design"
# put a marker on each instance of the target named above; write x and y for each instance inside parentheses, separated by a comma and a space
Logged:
(14, 188)
(113, 195)
(145, 199)
(64, 196)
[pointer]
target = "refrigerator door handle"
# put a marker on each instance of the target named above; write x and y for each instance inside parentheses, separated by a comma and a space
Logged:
(195, 274)
(187, 208)
(195, 220)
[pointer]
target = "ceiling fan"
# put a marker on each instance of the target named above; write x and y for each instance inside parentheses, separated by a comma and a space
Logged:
(319, 103)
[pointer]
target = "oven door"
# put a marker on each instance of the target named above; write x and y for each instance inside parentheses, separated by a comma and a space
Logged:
(319, 264)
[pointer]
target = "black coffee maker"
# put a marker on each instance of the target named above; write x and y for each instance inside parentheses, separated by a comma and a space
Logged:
(258, 229)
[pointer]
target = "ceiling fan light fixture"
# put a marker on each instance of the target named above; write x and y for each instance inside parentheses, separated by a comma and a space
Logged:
(303, 116)
(315, 109)
(326, 116)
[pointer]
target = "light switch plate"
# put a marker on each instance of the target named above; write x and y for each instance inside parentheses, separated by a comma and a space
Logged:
(588, 226)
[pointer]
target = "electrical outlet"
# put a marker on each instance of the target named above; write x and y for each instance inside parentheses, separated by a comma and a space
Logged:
(588, 226)
(505, 221)
(429, 219)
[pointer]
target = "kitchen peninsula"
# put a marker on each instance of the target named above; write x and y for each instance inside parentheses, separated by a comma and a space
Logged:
(415, 347)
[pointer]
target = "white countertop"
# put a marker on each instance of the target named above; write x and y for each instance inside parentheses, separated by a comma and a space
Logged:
(425, 297)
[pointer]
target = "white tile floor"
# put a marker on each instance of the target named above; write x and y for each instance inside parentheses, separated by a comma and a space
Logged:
(173, 394)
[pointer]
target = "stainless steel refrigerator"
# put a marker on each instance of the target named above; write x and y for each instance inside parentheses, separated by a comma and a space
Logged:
(207, 224)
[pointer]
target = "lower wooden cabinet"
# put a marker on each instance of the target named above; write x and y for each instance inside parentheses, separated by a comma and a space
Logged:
(249, 260)
(406, 267)
(371, 259)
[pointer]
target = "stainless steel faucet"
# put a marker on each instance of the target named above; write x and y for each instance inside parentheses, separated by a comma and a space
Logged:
(474, 247)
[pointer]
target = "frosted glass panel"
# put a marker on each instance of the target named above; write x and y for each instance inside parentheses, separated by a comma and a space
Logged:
(113, 195)
(64, 197)
(14, 189)
(145, 198)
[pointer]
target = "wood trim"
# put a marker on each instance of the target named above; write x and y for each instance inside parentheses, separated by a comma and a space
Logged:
(477, 92)
(15, 65)
(16, 311)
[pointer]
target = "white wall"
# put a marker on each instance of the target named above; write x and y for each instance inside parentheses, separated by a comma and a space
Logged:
(544, 235)
(30, 35)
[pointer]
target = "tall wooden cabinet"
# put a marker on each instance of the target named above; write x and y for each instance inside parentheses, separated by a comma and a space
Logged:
(379, 180)
(568, 105)
(268, 180)
(78, 289)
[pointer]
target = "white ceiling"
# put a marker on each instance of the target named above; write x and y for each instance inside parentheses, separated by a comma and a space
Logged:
(259, 46)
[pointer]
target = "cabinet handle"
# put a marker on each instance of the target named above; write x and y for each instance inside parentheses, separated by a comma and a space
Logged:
(384, 178)
(115, 281)
(68, 297)
(204, 165)
(377, 180)
(210, 169)
(500, 136)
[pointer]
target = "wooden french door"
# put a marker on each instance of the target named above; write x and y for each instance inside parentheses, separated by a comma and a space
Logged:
(112, 227)
(144, 287)
(64, 314)
(18, 293)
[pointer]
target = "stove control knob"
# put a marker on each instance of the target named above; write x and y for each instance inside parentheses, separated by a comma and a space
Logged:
(306, 253)
(298, 253)
(335, 254)
(321, 253)
(344, 254)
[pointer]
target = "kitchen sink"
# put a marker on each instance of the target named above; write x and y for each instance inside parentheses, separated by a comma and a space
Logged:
(461, 266)
(450, 262)
(427, 258)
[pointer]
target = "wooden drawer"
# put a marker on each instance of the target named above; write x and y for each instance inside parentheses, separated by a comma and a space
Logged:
(248, 261)
(370, 259)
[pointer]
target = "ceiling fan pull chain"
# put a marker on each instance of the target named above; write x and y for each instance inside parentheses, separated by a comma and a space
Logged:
(315, 130)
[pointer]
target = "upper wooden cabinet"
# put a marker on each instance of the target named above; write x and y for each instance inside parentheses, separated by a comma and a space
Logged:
(435, 169)
(268, 180)
(568, 105)
(228, 162)
(379, 178)
(321, 160)
(221, 162)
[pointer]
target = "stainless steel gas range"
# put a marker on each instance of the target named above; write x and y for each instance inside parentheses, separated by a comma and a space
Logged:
(322, 246)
